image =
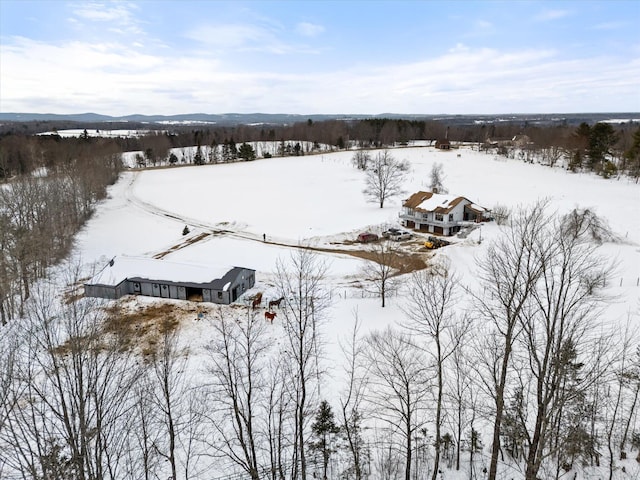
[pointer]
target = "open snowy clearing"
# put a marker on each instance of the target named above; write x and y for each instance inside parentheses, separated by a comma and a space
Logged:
(318, 201)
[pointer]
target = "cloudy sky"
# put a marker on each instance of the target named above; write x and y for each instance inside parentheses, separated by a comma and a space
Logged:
(305, 57)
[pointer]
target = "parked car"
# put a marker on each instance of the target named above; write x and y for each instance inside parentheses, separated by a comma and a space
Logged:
(401, 235)
(367, 237)
(390, 232)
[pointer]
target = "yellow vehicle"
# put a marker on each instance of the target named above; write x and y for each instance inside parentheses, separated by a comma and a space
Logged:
(433, 243)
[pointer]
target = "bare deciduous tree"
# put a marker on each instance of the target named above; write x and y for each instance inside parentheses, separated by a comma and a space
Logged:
(381, 268)
(361, 159)
(169, 392)
(398, 387)
(352, 399)
(385, 177)
(305, 302)
(280, 409)
(508, 273)
(542, 282)
(8, 351)
(632, 382)
(460, 396)
(431, 312)
(557, 328)
(437, 178)
(237, 360)
(71, 389)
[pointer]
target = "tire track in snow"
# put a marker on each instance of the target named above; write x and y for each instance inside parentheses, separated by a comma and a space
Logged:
(220, 229)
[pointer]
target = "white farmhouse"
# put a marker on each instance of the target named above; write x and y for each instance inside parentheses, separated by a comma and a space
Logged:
(440, 214)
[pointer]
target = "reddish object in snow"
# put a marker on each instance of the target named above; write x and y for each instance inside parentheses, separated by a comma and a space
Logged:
(367, 237)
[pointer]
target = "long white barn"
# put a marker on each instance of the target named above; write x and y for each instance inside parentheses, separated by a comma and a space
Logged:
(125, 275)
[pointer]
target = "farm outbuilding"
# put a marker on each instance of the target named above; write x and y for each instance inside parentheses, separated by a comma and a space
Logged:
(443, 144)
(125, 275)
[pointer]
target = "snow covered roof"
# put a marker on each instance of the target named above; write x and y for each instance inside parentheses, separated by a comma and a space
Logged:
(476, 208)
(433, 202)
(123, 267)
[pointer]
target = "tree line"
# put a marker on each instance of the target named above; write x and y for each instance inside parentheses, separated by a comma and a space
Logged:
(589, 146)
(52, 192)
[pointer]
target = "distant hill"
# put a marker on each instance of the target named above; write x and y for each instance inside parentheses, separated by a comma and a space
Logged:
(188, 118)
(285, 118)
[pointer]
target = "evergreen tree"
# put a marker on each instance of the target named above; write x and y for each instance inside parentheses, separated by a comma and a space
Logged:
(199, 158)
(246, 152)
(226, 151)
(233, 150)
(601, 140)
(323, 427)
(632, 156)
(149, 156)
(213, 152)
(513, 432)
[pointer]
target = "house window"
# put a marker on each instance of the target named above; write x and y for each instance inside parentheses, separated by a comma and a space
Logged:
(164, 287)
(438, 217)
(219, 295)
(451, 217)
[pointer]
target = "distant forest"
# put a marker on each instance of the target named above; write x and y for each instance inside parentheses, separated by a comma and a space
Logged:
(22, 152)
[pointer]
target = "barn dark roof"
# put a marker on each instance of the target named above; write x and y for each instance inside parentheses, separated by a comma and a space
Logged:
(120, 268)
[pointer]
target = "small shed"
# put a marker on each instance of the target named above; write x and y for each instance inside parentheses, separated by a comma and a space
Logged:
(443, 144)
(126, 275)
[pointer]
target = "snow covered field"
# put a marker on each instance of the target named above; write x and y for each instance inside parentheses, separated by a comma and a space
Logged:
(317, 200)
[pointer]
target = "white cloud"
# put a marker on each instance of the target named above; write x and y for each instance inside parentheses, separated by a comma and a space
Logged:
(309, 29)
(548, 15)
(244, 38)
(104, 12)
(119, 17)
(116, 78)
(459, 47)
(483, 25)
(230, 35)
(610, 25)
